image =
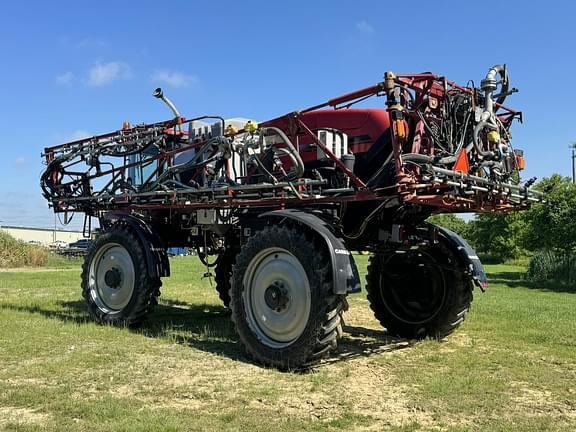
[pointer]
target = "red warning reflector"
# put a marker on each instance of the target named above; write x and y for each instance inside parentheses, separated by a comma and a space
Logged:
(461, 164)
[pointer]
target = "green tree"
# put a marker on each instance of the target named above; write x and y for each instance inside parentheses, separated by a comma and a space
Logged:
(452, 222)
(552, 225)
(499, 235)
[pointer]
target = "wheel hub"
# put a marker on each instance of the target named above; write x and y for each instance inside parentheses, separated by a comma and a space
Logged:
(276, 296)
(113, 277)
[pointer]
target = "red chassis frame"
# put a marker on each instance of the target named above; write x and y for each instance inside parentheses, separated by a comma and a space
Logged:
(443, 189)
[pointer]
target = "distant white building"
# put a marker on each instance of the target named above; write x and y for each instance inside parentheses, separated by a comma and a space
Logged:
(44, 236)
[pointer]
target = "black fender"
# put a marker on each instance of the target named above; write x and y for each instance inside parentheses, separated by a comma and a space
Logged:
(156, 253)
(344, 271)
(466, 255)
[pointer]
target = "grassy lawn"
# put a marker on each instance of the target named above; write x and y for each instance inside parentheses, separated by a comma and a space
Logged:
(511, 366)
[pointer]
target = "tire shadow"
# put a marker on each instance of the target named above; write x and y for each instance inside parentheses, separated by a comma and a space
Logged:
(360, 342)
(209, 328)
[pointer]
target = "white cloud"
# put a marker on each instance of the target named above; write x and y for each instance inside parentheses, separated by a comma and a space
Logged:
(174, 78)
(102, 74)
(364, 27)
(19, 161)
(65, 78)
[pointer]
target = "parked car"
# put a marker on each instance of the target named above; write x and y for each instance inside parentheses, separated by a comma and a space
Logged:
(80, 244)
(58, 244)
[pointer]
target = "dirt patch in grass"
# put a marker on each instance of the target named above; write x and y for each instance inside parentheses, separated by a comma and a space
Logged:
(14, 415)
(461, 339)
(361, 314)
(372, 392)
(532, 401)
(36, 270)
(358, 386)
(209, 383)
(36, 382)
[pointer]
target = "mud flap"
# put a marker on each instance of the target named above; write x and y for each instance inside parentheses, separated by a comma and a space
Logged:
(467, 256)
(156, 254)
(344, 271)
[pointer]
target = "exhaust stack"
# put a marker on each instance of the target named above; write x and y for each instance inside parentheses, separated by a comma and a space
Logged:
(158, 93)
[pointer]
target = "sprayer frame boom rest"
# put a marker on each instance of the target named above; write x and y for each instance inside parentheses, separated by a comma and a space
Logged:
(450, 191)
(443, 189)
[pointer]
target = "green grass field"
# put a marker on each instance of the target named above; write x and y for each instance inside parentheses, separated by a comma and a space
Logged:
(510, 367)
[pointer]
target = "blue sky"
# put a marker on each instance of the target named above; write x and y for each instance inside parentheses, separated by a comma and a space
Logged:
(71, 68)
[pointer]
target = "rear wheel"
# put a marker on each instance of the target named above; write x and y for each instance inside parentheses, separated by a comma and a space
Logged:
(418, 293)
(115, 282)
(281, 298)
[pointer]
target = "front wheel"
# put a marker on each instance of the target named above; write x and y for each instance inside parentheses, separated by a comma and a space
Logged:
(282, 303)
(418, 293)
(115, 282)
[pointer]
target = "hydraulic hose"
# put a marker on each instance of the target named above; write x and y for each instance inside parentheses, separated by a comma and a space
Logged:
(420, 158)
(476, 137)
(295, 156)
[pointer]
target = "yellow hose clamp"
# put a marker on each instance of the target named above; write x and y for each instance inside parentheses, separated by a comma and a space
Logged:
(493, 136)
(250, 126)
(231, 130)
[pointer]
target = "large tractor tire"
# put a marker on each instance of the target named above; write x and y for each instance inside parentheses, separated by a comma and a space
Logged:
(418, 293)
(115, 283)
(282, 303)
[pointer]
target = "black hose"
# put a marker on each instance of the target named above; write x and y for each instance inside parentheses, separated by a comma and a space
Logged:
(476, 137)
(420, 158)
(299, 164)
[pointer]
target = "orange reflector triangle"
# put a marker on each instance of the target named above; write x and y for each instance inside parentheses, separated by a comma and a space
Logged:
(461, 164)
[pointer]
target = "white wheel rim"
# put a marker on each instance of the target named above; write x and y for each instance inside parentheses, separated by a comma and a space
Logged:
(111, 278)
(276, 297)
